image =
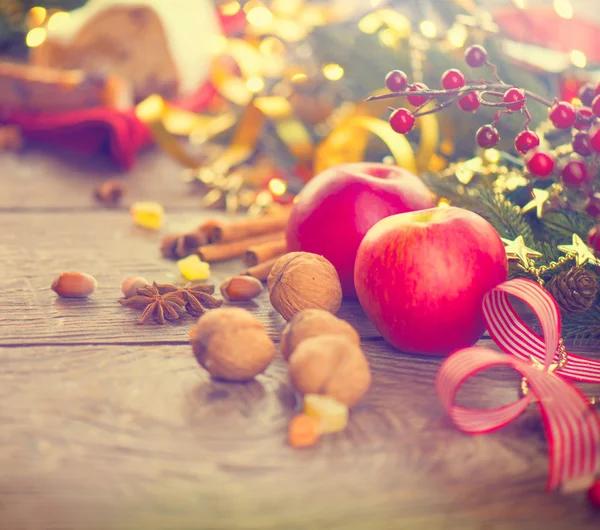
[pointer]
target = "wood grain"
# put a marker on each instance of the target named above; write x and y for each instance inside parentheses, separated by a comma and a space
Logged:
(106, 437)
(108, 425)
(35, 247)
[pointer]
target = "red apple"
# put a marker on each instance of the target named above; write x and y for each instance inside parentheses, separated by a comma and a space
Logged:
(337, 207)
(421, 278)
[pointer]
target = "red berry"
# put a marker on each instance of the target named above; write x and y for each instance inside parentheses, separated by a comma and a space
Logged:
(587, 93)
(476, 56)
(525, 141)
(581, 144)
(396, 81)
(594, 136)
(563, 115)
(487, 136)
(575, 173)
(514, 95)
(453, 79)
(593, 238)
(417, 101)
(540, 164)
(592, 206)
(469, 103)
(402, 121)
(596, 106)
(584, 118)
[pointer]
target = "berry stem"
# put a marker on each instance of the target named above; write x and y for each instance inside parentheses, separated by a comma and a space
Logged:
(494, 70)
(438, 108)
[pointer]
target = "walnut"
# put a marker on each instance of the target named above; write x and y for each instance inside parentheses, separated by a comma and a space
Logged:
(330, 365)
(300, 280)
(231, 344)
(314, 323)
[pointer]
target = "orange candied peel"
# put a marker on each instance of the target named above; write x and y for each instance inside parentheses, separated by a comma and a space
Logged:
(303, 431)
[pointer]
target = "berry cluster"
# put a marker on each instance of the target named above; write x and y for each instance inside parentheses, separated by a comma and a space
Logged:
(576, 170)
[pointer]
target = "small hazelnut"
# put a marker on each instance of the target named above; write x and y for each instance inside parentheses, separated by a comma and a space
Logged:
(241, 288)
(301, 280)
(330, 365)
(74, 285)
(231, 344)
(132, 284)
(314, 323)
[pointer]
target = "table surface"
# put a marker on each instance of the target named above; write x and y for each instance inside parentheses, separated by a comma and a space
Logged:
(108, 424)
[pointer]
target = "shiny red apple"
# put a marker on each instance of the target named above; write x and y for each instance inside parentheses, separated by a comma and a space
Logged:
(337, 207)
(421, 278)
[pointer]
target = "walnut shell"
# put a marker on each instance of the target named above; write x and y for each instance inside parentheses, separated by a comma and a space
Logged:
(330, 365)
(314, 323)
(230, 344)
(301, 280)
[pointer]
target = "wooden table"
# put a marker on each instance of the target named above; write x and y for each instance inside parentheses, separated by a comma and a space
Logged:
(106, 424)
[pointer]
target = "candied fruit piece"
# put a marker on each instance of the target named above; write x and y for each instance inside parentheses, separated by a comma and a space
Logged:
(303, 431)
(328, 411)
(148, 214)
(193, 268)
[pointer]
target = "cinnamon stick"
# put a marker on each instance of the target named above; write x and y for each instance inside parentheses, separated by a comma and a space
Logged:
(224, 232)
(262, 270)
(207, 227)
(233, 249)
(264, 252)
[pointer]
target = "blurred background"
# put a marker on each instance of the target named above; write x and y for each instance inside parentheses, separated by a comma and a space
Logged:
(289, 74)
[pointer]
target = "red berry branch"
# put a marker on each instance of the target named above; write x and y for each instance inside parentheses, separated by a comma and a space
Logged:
(576, 171)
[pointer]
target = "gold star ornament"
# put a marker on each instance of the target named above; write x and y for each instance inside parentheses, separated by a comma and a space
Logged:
(540, 197)
(516, 249)
(583, 254)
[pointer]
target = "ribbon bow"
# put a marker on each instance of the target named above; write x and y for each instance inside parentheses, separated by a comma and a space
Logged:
(571, 424)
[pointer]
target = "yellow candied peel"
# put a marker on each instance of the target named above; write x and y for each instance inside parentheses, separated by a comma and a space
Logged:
(148, 214)
(193, 268)
(331, 414)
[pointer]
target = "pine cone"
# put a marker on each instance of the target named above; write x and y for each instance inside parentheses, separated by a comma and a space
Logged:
(575, 290)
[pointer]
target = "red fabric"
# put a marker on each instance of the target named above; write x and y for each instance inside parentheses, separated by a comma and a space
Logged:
(541, 26)
(103, 130)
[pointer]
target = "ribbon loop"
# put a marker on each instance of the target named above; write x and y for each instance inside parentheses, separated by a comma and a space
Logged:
(571, 424)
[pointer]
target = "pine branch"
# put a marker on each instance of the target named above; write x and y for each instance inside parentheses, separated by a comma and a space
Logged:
(504, 216)
(583, 327)
(562, 224)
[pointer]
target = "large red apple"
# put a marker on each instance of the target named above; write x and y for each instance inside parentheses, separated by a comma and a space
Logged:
(421, 278)
(337, 207)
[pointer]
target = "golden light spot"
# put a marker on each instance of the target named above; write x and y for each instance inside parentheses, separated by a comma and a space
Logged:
(277, 187)
(369, 24)
(35, 37)
(272, 46)
(333, 71)
(58, 19)
(563, 9)
(230, 8)
(299, 77)
(492, 156)
(36, 16)
(443, 203)
(259, 16)
(388, 37)
(578, 59)
(255, 84)
(457, 35)
(218, 44)
(519, 3)
(428, 29)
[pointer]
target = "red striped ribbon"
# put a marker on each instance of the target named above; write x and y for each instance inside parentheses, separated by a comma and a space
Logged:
(571, 424)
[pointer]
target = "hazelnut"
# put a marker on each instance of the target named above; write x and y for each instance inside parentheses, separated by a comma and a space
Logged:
(300, 280)
(330, 365)
(231, 344)
(74, 285)
(131, 285)
(241, 288)
(314, 323)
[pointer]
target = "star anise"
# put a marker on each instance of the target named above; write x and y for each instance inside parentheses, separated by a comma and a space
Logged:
(161, 301)
(198, 298)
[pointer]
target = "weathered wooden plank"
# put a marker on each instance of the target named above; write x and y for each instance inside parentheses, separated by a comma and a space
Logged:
(43, 178)
(139, 437)
(35, 247)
